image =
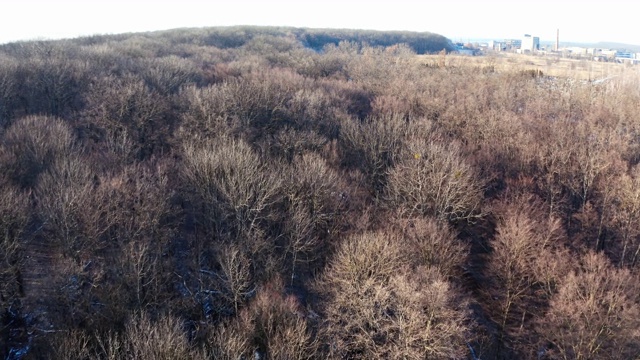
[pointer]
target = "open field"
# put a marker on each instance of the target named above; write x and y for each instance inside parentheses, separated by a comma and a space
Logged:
(549, 65)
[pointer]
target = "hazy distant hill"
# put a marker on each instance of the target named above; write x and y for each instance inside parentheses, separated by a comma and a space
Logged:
(600, 45)
(230, 37)
(420, 42)
(617, 46)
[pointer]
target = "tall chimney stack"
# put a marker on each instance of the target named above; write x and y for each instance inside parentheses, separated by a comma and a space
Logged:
(558, 40)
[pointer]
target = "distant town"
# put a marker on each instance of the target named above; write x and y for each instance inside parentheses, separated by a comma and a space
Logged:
(529, 44)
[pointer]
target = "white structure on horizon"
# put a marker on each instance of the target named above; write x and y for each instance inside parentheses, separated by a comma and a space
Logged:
(530, 43)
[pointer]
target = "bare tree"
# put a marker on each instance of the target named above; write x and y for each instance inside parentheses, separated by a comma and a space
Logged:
(272, 325)
(434, 244)
(432, 179)
(8, 87)
(525, 264)
(236, 275)
(374, 145)
(315, 199)
(278, 325)
(136, 215)
(140, 271)
(229, 341)
(594, 314)
(127, 106)
(206, 114)
(14, 215)
(552, 163)
(431, 320)
(596, 151)
(233, 185)
(170, 73)
(624, 215)
(70, 345)
(52, 80)
(65, 201)
(163, 339)
(378, 307)
(31, 145)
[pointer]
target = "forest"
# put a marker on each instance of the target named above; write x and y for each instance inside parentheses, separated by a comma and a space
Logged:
(280, 193)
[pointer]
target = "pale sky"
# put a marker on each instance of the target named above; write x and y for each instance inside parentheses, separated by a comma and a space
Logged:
(579, 21)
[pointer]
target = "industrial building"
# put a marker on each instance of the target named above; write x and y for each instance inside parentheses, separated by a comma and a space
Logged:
(512, 43)
(506, 45)
(530, 43)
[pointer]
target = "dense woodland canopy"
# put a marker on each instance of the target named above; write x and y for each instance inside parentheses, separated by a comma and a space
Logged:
(272, 193)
